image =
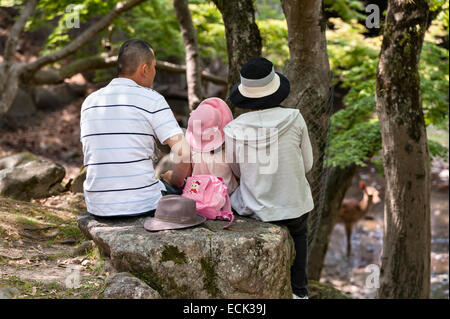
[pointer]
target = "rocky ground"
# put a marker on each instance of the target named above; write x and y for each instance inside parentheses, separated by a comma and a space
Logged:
(38, 255)
(37, 245)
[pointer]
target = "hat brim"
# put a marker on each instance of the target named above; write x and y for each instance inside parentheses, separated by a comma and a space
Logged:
(154, 224)
(268, 101)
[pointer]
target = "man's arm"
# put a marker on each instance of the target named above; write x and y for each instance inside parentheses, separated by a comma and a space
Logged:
(181, 157)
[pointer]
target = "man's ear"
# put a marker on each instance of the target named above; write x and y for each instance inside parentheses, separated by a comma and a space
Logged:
(141, 69)
(144, 68)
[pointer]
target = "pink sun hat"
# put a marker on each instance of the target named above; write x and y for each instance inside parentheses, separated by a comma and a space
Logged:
(206, 123)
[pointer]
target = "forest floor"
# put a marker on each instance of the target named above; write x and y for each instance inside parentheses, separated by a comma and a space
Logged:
(37, 257)
(40, 264)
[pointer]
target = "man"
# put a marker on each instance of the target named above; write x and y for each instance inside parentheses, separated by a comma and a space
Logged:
(119, 127)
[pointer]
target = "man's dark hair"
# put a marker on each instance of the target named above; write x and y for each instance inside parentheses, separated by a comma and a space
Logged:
(132, 53)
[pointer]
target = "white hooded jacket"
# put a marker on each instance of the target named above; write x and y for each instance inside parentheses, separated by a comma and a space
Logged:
(271, 152)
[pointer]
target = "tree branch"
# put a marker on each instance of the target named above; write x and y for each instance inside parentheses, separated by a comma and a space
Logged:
(16, 30)
(177, 68)
(81, 39)
(55, 76)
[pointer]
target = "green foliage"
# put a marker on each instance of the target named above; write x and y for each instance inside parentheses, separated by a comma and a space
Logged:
(274, 40)
(434, 72)
(210, 30)
(438, 150)
(442, 6)
(355, 145)
(66, 12)
(268, 9)
(10, 3)
(346, 9)
(156, 23)
(153, 21)
(355, 135)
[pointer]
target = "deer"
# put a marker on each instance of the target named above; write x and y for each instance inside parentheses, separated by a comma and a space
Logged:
(351, 210)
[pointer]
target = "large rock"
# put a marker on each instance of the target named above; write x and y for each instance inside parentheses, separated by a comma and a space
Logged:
(249, 260)
(35, 179)
(21, 111)
(16, 160)
(318, 290)
(57, 96)
(8, 292)
(125, 286)
(77, 184)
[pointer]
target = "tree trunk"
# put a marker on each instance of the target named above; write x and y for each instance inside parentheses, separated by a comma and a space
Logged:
(11, 80)
(405, 266)
(9, 70)
(193, 69)
(309, 75)
(243, 37)
(339, 180)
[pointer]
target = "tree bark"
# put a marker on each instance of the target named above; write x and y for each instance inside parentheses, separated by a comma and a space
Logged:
(339, 180)
(309, 75)
(16, 30)
(242, 34)
(9, 71)
(193, 69)
(55, 76)
(405, 266)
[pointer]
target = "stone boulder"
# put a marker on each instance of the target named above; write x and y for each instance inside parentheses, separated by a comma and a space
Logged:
(125, 286)
(22, 110)
(57, 96)
(318, 290)
(77, 184)
(8, 292)
(16, 160)
(251, 259)
(35, 179)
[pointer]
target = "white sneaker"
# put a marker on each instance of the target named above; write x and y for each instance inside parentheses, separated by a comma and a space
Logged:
(294, 296)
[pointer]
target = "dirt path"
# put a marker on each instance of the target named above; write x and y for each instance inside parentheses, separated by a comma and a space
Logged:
(36, 251)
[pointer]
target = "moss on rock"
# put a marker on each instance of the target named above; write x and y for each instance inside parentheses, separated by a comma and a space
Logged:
(209, 280)
(174, 254)
(318, 290)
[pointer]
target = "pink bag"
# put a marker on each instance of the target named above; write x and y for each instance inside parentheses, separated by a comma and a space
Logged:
(211, 197)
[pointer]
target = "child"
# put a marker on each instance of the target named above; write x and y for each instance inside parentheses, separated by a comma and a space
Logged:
(206, 138)
(274, 190)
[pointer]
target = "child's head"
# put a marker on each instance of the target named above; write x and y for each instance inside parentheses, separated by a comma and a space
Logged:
(260, 86)
(206, 123)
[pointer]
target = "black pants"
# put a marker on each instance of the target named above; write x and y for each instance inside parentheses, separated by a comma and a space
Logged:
(298, 228)
(172, 190)
(150, 213)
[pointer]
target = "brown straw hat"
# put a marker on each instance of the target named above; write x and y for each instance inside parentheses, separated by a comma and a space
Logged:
(174, 212)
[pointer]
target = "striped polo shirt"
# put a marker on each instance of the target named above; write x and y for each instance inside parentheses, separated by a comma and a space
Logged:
(119, 125)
